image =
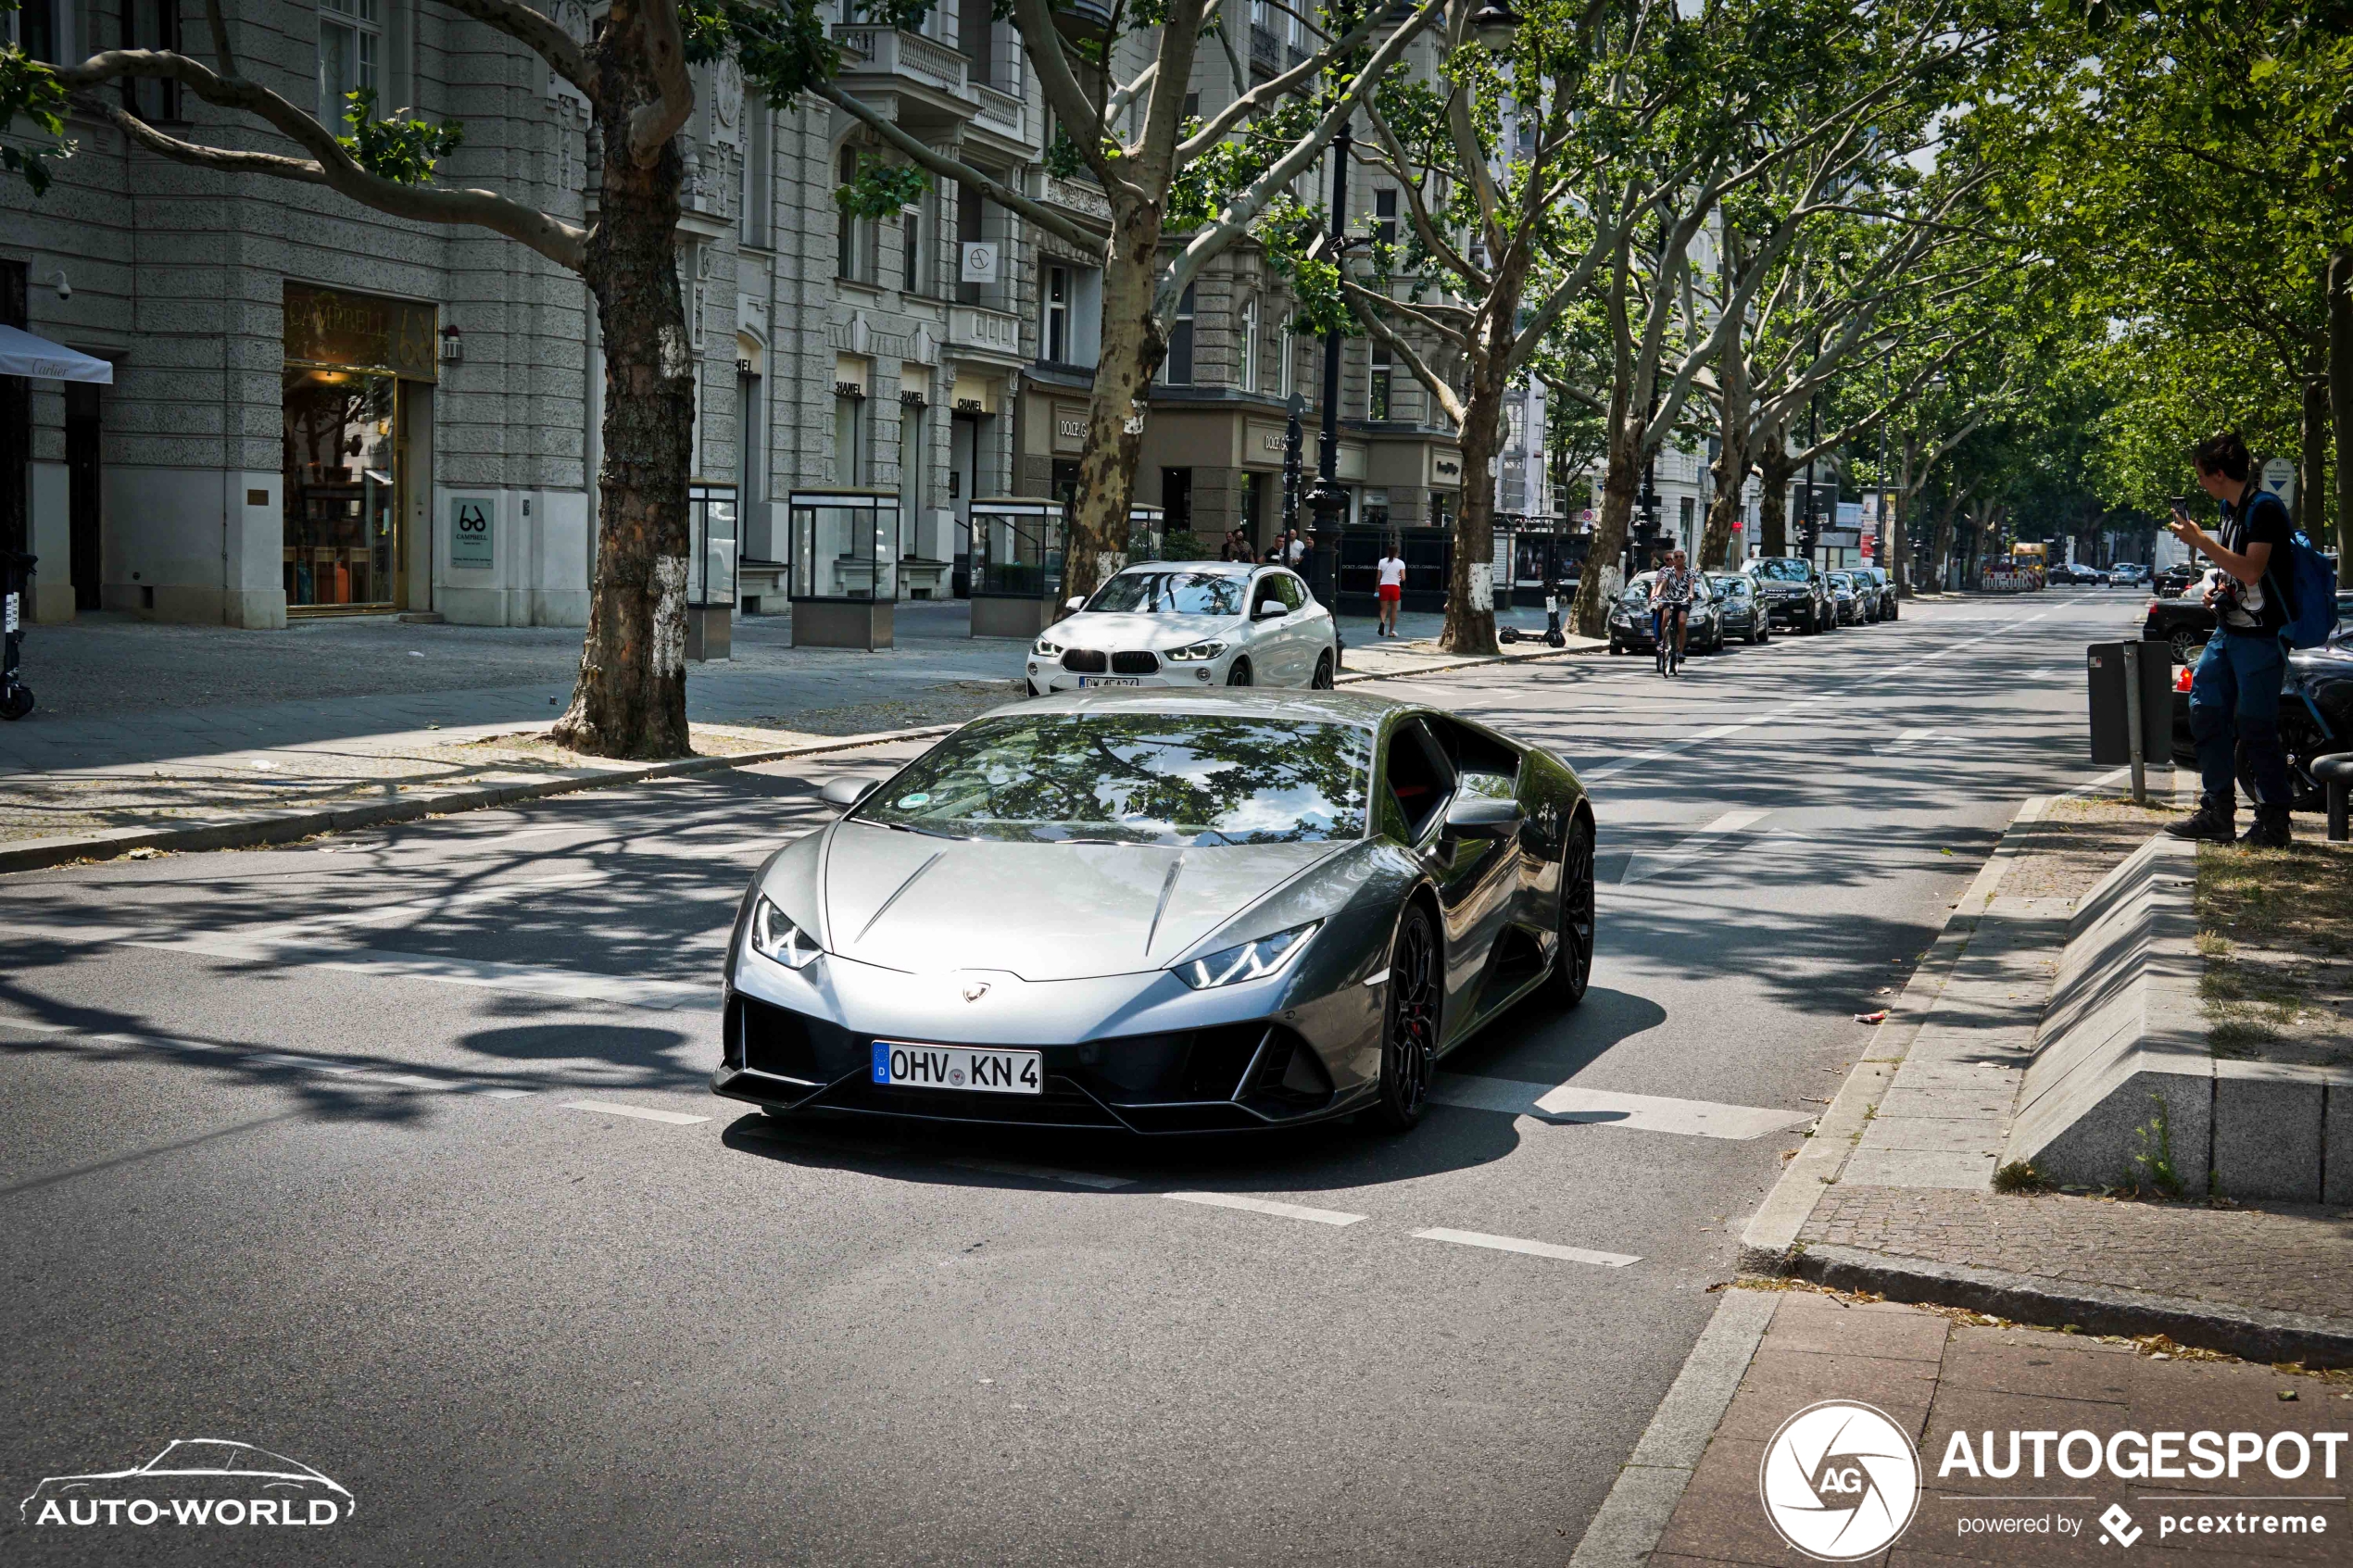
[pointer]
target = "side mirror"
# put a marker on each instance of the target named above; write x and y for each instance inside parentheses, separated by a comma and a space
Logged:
(847, 793)
(1270, 609)
(1074, 606)
(1482, 816)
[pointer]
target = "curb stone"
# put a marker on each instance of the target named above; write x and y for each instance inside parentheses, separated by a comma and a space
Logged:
(1627, 1526)
(286, 827)
(1769, 1241)
(2252, 1334)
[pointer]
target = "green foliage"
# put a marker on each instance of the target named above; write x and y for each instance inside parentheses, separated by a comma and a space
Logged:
(29, 91)
(881, 189)
(784, 46)
(402, 149)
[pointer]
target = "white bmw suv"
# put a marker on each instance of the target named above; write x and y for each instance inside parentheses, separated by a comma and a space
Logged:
(1190, 623)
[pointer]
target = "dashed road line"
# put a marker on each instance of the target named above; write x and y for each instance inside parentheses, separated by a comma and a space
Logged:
(1533, 1248)
(642, 1112)
(1640, 1114)
(1642, 868)
(1266, 1205)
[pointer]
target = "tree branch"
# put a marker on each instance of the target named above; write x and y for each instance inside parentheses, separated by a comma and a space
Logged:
(1275, 87)
(535, 30)
(552, 237)
(652, 125)
(1368, 309)
(1059, 225)
(1062, 90)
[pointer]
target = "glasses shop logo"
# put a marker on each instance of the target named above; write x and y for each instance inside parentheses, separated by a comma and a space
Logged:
(1840, 1480)
(193, 1482)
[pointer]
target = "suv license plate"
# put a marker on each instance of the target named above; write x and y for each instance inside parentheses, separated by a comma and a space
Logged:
(1109, 681)
(957, 1067)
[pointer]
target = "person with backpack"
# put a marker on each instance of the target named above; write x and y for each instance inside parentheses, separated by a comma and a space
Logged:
(2235, 692)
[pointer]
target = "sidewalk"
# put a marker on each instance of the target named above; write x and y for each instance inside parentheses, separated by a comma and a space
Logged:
(154, 735)
(1894, 1191)
(1935, 1373)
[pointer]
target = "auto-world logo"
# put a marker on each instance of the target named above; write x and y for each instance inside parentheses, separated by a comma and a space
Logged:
(1840, 1480)
(194, 1481)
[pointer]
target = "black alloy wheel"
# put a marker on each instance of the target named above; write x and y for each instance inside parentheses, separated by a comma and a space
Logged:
(1237, 672)
(1573, 965)
(2185, 645)
(1323, 680)
(1751, 638)
(1409, 1033)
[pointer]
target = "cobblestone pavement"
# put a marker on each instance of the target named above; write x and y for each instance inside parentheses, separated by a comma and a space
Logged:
(2290, 1258)
(1937, 1373)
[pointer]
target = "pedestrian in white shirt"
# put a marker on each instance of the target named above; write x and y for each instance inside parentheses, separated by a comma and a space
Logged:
(1392, 592)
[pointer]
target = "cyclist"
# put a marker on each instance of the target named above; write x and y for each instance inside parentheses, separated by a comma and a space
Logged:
(1671, 610)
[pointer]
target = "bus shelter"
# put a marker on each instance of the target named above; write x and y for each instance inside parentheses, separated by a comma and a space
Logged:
(843, 571)
(1018, 565)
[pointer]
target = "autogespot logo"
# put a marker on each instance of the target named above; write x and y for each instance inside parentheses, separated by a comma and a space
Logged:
(194, 1481)
(1840, 1480)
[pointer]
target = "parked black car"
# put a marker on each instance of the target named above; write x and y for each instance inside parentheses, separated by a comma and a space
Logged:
(2315, 713)
(1792, 593)
(2175, 578)
(1845, 603)
(1886, 590)
(1738, 612)
(1870, 593)
(2081, 576)
(1629, 617)
(2182, 624)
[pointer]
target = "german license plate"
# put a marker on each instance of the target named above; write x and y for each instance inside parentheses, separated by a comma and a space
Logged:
(1109, 681)
(958, 1067)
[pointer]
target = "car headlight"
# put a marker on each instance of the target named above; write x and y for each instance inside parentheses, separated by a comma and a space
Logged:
(775, 937)
(1047, 648)
(1247, 961)
(1197, 651)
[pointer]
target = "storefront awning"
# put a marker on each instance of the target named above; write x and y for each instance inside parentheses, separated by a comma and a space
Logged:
(22, 354)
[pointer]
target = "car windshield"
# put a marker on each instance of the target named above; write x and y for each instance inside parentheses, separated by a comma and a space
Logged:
(1637, 592)
(1782, 570)
(1172, 593)
(1730, 587)
(1135, 778)
(1840, 579)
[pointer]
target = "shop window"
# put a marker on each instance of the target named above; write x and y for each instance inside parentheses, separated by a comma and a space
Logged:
(151, 24)
(849, 456)
(1378, 384)
(351, 43)
(341, 538)
(1057, 316)
(913, 492)
(1248, 378)
(1441, 508)
(1375, 510)
(1177, 369)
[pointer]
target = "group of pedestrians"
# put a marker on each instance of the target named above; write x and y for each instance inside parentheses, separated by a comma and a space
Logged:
(1288, 550)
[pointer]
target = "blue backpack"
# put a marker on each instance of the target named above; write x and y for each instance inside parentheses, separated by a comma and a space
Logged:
(2311, 588)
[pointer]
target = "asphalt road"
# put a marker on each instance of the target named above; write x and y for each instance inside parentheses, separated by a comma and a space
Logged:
(293, 1152)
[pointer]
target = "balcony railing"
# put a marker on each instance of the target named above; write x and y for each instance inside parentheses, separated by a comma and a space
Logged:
(1002, 112)
(1077, 195)
(991, 332)
(889, 51)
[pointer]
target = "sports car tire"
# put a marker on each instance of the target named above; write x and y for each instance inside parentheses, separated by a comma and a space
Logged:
(1238, 674)
(1410, 1024)
(1573, 966)
(1323, 680)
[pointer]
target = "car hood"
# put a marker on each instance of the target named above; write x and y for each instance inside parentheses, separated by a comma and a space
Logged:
(1042, 911)
(1110, 631)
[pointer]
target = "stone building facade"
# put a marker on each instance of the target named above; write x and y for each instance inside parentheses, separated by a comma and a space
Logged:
(319, 409)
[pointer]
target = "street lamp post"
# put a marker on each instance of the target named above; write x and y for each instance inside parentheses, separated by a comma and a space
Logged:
(1327, 499)
(1292, 439)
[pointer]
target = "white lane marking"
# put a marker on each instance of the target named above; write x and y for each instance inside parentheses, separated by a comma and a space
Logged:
(324, 1066)
(643, 1113)
(1672, 749)
(1642, 868)
(1044, 1174)
(36, 1027)
(1533, 1248)
(1640, 1114)
(1907, 740)
(1266, 1206)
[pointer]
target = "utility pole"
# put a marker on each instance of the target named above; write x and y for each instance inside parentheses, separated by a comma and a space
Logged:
(1292, 440)
(1808, 529)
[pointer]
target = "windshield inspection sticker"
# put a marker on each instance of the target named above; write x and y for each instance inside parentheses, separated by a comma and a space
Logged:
(911, 801)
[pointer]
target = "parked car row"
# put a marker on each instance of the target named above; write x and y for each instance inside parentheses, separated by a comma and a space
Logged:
(1788, 592)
